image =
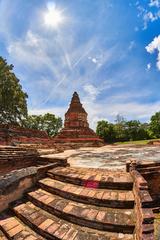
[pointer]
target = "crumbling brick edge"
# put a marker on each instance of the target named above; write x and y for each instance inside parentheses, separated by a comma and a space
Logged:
(143, 205)
(15, 184)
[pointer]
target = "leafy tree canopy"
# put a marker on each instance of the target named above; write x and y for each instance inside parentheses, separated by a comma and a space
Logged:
(13, 104)
(155, 125)
(123, 130)
(47, 122)
(106, 131)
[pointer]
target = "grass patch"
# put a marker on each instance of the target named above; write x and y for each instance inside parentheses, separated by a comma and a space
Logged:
(138, 142)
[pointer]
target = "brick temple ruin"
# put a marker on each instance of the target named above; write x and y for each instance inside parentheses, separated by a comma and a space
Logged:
(43, 197)
(76, 131)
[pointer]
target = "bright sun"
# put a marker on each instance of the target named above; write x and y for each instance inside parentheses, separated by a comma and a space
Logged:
(53, 17)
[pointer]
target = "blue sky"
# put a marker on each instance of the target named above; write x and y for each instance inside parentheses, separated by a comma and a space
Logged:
(106, 50)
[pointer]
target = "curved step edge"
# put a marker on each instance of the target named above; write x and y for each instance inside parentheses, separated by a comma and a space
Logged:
(83, 216)
(97, 201)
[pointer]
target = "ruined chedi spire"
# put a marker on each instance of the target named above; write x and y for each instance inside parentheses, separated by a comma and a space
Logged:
(76, 129)
(76, 116)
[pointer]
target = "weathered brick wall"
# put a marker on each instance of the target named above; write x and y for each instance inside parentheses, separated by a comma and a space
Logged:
(151, 173)
(15, 158)
(153, 180)
(11, 135)
(14, 184)
(143, 202)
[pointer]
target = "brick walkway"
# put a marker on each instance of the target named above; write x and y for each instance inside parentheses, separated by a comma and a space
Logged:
(74, 204)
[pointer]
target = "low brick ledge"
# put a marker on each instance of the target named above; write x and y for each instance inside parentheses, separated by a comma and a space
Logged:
(14, 184)
(143, 202)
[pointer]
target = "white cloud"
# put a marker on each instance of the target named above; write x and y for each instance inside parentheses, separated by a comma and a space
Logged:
(100, 57)
(58, 111)
(150, 17)
(149, 14)
(91, 91)
(154, 3)
(28, 50)
(149, 66)
(155, 45)
(31, 39)
(94, 60)
(129, 96)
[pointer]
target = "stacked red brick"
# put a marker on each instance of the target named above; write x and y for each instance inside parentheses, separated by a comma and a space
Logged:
(76, 128)
(13, 135)
(12, 158)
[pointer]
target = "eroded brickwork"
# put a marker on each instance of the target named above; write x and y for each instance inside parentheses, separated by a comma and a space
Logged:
(76, 128)
(13, 135)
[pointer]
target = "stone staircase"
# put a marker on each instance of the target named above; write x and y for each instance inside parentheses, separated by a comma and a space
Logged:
(74, 204)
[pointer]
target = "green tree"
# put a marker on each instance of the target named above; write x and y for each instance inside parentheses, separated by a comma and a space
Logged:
(120, 127)
(13, 104)
(135, 130)
(106, 131)
(123, 130)
(155, 125)
(47, 122)
(144, 131)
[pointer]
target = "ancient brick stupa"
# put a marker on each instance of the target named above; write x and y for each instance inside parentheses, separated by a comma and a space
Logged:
(76, 131)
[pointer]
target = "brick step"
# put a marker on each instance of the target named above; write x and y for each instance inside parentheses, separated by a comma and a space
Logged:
(3, 150)
(7, 148)
(108, 219)
(14, 160)
(94, 177)
(5, 156)
(49, 160)
(52, 227)
(17, 156)
(2, 236)
(100, 197)
(144, 171)
(147, 164)
(15, 229)
(10, 157)
(152, 172)
(148, 169)
(156, 210)
(4, 153)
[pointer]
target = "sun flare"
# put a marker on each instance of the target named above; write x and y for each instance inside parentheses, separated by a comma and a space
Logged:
(53, 17)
